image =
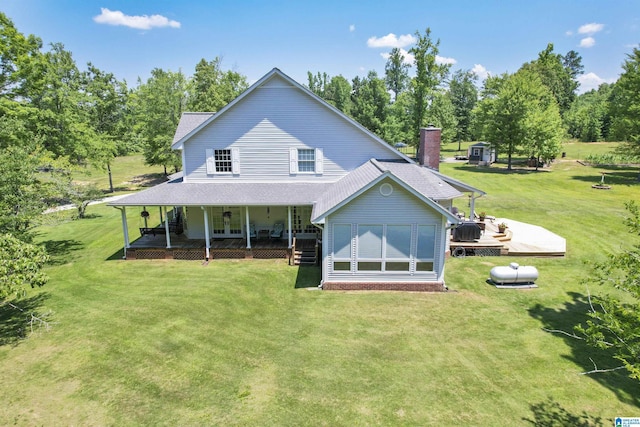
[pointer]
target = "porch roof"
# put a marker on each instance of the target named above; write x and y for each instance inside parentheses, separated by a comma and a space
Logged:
(179, 193)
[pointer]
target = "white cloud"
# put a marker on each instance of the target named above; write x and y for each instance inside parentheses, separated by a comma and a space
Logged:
(590, 28)
(352, 28)
(480, 71)
(591, 81)
(587, 42)
(391, 40)
(568, 33)
(141, 22)
(444, 60)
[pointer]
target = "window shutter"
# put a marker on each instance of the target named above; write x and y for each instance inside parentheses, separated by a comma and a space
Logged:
(293, 160)
(235, 161)
(211, 162)
(319, 161)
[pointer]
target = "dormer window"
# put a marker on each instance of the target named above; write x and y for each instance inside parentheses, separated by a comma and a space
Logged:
(306, 160)
(222, 160)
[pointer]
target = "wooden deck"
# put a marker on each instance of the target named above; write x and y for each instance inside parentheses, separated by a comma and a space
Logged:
(519, 239)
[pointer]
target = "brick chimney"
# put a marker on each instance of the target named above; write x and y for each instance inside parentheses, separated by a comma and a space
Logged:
(429, 150)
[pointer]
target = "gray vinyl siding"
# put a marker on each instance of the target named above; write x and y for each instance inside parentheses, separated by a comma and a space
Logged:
(399, 208)
(267, 124)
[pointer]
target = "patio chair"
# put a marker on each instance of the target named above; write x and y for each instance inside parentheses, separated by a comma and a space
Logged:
(252, 231)
(276, 233)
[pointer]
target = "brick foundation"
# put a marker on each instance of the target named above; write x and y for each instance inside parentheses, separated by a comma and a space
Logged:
(385, 286)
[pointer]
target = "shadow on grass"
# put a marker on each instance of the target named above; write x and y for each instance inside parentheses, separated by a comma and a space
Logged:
(308, 277)
(14, 322)
(117, 255)
(551, 414)
(60, 250)
(564, 319)
(614, 175)
(515, 170)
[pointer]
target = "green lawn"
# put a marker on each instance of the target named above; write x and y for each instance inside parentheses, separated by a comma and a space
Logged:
(254, 343)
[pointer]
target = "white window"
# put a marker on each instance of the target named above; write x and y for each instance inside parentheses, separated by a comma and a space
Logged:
(305, 160)
(223, 161)
(341, 247)
(391, 248)
(426, 247)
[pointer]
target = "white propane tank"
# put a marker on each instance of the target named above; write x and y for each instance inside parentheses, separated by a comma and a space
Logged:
(514, 273)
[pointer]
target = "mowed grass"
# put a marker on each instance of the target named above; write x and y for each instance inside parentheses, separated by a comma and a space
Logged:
(253, 342)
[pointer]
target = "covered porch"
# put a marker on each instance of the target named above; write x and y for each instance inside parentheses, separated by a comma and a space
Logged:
(151, 246)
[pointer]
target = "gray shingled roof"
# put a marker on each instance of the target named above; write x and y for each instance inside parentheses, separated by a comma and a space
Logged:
(188, 122)
(179, 193)
(421, 179)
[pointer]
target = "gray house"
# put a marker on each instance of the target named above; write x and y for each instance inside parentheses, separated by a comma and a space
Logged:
(278, 168)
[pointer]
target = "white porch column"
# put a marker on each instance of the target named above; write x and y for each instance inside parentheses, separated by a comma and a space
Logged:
(289, 226)
(166, 228)
(125, 230)
(472, 214)
(248, 231)
(207, 242)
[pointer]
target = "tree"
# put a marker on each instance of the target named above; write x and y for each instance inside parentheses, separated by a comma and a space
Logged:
(559, 74)
(106, 106)
(159, 103)
(464, 96)
(370, 100)
(429, 75)
(17, 56)
(519, 115)
(441, 113)
(20, 265)
(317, 83)
(338, 94)
(21, 200)
(397, 126)
(211, 88)
(625, 102)
(396, 73)
(614, 324)
(588, 118)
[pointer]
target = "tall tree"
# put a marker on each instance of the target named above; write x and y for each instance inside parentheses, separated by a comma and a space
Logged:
(17, 58)
(396, 73)
(519, 115)
(211, 88)
(159, 103)
(464, 96)
(338, 94)
(429, 75)
(317, 83)
(441, 114)
(370, 100)
(107, 100)
(625, 102)
(589, 117)
(559, 74)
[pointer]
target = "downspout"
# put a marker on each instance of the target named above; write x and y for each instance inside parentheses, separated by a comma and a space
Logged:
(207, 243)
(125, 230)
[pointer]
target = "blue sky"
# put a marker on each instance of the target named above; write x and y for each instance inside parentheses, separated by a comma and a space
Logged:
(130, 38)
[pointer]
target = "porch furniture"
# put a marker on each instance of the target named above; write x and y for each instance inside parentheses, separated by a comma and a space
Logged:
(252, 231)
(263, 234)
(278, 228)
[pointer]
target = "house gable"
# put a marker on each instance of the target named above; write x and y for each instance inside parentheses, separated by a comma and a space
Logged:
(271, 123)
(390, 209)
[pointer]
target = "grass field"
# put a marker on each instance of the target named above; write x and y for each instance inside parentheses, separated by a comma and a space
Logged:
(254, 343)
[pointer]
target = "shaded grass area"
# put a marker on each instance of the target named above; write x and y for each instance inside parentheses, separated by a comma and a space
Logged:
(255, 342)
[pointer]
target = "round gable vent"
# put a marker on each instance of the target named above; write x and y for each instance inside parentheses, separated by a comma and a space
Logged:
(386, 189)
